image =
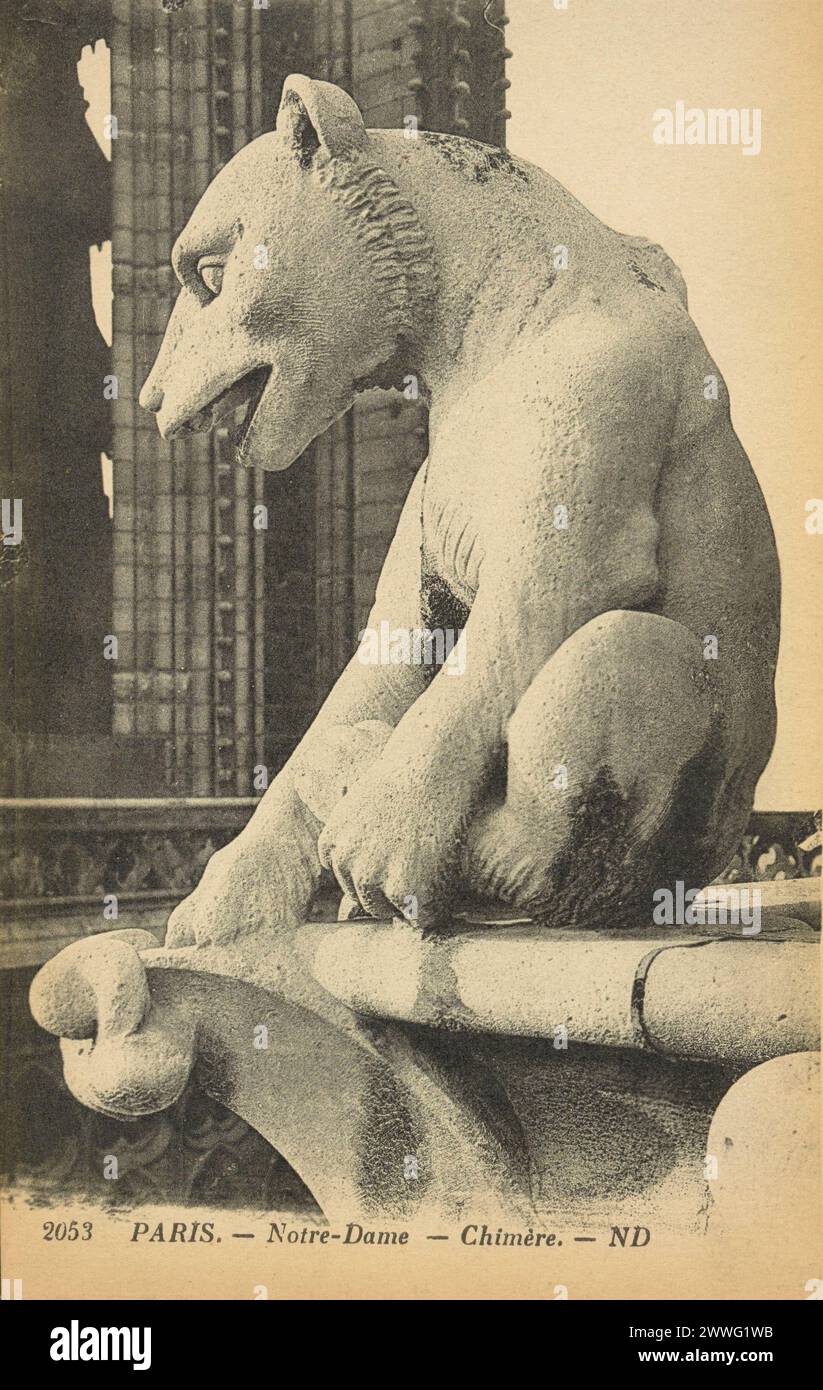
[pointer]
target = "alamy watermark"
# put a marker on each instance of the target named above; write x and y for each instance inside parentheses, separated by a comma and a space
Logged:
(721, 904)
(76, 1343)
(420, 646)
(712, 125)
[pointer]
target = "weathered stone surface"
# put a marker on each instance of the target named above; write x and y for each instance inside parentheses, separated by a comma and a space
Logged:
(343, 1099)
(765, 1137)
(123, 1053)
(734, 1000)
(585, 516)
(796, 898)
(721, 1000)
(563, 1100)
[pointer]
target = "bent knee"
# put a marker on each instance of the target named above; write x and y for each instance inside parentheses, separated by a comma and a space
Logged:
(628, 692)
(617, 663)
(626, 642)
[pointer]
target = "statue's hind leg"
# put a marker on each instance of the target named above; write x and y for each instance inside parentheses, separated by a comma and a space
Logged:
(620, 778)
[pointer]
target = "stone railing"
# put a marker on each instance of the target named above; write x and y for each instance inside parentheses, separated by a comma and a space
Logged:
(61, 858)
(652, 1075)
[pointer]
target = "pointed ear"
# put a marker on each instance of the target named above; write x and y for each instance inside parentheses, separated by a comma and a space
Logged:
(318, 115)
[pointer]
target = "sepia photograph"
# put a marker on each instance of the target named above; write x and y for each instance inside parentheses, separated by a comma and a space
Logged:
(410, 769)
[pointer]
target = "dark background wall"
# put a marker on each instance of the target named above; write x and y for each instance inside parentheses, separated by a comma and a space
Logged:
(229, 637)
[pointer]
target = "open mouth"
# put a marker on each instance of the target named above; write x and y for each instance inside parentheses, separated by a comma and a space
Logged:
(240, 400)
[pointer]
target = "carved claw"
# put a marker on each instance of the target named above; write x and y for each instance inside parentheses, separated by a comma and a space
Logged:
(123, 1053)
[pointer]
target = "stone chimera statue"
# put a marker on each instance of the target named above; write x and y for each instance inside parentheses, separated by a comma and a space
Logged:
(616, 708)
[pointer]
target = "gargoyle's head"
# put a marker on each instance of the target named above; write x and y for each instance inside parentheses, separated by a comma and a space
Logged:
(303, 275)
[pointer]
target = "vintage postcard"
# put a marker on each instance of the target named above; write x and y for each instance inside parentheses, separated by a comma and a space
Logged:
(412, 523)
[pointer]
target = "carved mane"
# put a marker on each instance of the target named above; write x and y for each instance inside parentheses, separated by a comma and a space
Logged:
(398, 249)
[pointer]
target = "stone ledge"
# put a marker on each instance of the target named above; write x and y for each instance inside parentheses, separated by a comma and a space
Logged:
(525, 1069)
(82, 814)
(728, 999)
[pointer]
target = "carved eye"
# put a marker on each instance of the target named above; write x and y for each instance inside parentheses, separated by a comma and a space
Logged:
(211, 273)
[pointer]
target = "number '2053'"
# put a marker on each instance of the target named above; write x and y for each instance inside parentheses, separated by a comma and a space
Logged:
(67, 1230)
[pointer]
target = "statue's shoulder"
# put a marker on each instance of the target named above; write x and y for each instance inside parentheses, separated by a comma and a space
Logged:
(654, 268)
